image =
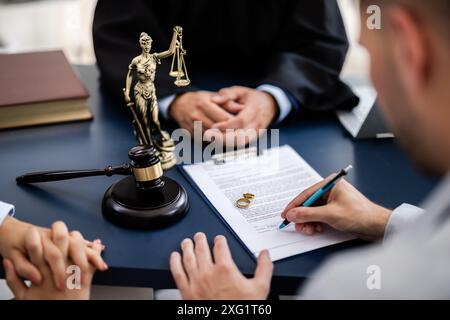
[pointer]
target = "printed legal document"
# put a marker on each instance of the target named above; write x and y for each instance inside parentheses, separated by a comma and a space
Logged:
(275, 178)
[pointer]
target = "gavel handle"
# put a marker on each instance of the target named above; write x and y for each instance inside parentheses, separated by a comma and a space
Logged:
(46, 176)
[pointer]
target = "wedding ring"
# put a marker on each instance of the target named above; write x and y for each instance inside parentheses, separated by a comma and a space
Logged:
(243, 203)
(249, 196)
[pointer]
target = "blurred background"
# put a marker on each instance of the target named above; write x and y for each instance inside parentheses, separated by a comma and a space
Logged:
(35, 25)
(48, 24)
(66, 24)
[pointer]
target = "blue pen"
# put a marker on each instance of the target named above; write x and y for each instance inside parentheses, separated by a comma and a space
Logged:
(321, 192)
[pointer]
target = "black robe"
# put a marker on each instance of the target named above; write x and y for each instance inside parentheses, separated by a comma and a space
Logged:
(299, 46)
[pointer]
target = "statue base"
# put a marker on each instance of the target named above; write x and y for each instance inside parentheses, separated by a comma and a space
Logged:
(168, 160)
(128, 206)
(166, 147)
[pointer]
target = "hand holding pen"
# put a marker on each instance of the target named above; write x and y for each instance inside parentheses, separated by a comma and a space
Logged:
(325, 187)
(342, 208)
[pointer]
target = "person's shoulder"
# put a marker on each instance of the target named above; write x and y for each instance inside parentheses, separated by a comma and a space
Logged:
(135, 61)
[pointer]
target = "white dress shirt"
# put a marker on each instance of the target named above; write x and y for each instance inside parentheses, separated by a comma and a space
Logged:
(412, 263)
(283, 102)
(6, 209)
(401, 218)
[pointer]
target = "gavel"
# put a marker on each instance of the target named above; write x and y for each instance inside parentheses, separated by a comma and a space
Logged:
(144, 165)
(145, 200)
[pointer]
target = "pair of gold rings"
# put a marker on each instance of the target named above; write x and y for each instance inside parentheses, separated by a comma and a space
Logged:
(244, 203)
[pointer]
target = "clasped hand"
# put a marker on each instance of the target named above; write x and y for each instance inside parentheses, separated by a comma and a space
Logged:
(232, 115)
(42, 256)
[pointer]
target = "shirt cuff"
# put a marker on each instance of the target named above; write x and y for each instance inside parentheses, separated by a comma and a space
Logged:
(6, 209)
(164, 105)
(283, 102)
(401, 217)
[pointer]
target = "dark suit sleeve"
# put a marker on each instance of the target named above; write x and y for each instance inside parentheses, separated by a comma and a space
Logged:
(309, 56)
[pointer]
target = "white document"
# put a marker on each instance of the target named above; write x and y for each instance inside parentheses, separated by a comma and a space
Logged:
(353, 120)
(275, 178)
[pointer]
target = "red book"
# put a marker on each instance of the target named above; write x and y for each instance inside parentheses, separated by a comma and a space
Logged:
(40, 88)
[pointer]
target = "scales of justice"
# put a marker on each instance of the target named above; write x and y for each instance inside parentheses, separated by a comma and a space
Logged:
(145, 199)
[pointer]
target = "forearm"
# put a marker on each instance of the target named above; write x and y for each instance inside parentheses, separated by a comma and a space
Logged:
(309, 57)
(384, 223)
(284, 104)
(171, 49)
(378, 222)
(315, 87)
(128, 81)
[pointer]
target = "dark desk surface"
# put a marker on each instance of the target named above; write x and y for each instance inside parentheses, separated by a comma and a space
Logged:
(140, 258)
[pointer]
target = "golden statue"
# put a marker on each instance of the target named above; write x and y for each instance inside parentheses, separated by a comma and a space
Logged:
(145, 106)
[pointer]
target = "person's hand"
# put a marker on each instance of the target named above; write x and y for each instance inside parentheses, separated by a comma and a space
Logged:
(178, 30)
(63, 248)
(197, 106)
(345, 209)
(254, 110)
(13, 247)
(126, 95)
(199, 276)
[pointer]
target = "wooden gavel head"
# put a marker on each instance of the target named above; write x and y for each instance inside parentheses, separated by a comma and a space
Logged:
(146, 167)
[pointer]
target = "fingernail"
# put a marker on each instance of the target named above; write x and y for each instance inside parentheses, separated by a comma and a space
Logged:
(199, 234)
(105, 266)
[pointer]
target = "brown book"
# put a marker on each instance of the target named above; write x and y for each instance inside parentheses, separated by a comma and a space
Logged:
(40, 88)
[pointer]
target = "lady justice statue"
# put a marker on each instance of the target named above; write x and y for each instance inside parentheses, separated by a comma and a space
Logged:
(145, 106)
